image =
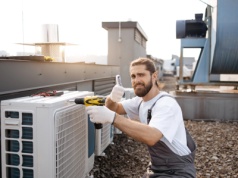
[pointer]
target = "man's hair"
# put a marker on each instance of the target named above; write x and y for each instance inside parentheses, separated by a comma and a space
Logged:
(149, 64)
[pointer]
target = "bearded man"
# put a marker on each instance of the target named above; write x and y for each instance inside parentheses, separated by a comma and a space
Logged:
(160, 127)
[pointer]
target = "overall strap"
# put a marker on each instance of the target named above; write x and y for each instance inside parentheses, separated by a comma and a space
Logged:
(149, 110)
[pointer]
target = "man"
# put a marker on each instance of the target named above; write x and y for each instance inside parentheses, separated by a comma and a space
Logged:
(161, 125)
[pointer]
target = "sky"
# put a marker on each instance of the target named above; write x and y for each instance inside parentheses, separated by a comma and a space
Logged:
(80, 22)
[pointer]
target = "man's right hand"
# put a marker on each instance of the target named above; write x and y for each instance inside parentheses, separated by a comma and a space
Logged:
(117, 93)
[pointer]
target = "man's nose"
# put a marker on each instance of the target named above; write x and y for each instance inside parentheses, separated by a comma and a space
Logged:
(137, 80)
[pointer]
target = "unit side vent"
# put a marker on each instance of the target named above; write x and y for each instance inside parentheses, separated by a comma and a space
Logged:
(104, 137)
(70, 142)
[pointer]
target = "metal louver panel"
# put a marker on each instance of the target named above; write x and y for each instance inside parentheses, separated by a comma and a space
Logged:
(103, 86)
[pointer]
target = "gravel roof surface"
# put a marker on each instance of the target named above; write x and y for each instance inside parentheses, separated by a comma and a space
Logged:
(216, 155)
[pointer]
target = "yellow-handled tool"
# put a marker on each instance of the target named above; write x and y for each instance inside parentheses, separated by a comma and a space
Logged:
(92, 101)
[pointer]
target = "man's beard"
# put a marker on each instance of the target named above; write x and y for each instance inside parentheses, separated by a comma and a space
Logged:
(141, 92)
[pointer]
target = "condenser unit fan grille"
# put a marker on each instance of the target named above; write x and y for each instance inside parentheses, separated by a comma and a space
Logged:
(70, 140)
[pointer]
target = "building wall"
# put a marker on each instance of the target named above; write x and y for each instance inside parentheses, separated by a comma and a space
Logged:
(122, 52)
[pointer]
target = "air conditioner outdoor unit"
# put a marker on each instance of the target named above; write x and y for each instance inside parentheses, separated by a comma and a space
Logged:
(104, 137)
(45, 137)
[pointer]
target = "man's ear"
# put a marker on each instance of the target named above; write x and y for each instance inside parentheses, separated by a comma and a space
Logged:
(155, 75)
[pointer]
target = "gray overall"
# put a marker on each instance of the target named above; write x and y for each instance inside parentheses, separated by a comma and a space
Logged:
(165, 163)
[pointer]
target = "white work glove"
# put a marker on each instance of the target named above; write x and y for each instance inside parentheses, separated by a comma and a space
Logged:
(100, 114)
(117, 93)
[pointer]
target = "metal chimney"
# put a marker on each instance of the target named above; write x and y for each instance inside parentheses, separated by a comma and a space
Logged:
(51, 46)
(50, 33)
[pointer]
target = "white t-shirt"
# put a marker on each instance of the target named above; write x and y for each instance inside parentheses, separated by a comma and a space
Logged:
(166, 117)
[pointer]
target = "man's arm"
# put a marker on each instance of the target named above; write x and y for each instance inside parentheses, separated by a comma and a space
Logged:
(114, 106)
(138, 131)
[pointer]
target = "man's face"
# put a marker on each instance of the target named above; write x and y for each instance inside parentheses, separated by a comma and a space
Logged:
(141, 80)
